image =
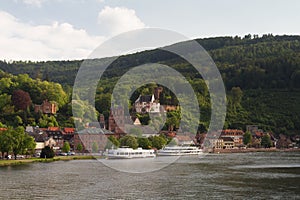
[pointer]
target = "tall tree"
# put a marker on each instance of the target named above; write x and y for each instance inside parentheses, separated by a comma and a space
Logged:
(5, 142)
(247, 138)
(79, 147)
(66, 147)
(237, 95)
(21, 99)
(18, 138)
(29, 144)
(266, 141)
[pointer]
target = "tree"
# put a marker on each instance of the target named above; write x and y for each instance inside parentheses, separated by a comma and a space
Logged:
(29, 144)
(237, 95)
(266, 141)
(247, 138)
(66, 147)
(129, 141)
(18, 120)
(18, 138)
(21, 99)
(112, 142)
(95, 147)
(173, 119)
(46, 121)
(158, 142)
(79, 147)
(47, 152)
(144, 143)
(5, 142)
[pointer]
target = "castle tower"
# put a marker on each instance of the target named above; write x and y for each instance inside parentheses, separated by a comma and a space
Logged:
(157, 92)
(102, 121)
(116, 115)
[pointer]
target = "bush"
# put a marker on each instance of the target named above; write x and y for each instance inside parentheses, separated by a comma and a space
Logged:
(47, 152)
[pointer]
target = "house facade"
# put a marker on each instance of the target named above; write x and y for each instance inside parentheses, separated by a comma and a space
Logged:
(46, 107)
(146, 104)
(116, 121)
(90, 137)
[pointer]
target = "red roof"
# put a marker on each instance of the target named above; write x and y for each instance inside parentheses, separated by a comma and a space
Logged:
(53, 128)
(3, 129)
(232, 132)
(69, 130)
(259, 134)
(183, 138)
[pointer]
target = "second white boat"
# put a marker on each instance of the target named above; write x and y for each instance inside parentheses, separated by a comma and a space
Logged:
(179, 151)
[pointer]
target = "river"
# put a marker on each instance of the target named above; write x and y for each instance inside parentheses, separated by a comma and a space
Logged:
(261, 175)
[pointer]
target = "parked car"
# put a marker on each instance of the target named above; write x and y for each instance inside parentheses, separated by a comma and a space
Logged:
(63, 154)
(71, 153)
(38, 154)
(20, 156)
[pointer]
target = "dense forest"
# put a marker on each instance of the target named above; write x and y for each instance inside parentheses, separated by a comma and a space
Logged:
(261, 76)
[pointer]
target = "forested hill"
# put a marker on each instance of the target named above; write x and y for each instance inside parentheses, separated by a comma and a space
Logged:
(250, 62)
(266, 69)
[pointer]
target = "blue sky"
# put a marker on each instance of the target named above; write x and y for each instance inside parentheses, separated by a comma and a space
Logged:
(71, 29)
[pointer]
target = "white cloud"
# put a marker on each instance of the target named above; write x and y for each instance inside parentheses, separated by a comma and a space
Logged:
(118, 19)
(37, 3)
(56, 41)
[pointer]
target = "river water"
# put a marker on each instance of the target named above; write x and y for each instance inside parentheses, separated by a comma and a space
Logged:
(267, 175)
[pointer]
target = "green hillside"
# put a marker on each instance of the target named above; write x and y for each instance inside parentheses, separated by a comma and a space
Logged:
(266, 69)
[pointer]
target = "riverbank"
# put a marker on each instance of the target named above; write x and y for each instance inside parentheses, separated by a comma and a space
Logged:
(57, 158)
(249, 150)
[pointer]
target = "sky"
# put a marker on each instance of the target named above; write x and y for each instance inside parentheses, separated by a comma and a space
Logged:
(41, 30)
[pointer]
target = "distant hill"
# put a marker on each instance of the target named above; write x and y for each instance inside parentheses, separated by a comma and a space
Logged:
(266, 69)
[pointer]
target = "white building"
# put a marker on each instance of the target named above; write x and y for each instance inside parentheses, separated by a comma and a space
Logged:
(146, 104)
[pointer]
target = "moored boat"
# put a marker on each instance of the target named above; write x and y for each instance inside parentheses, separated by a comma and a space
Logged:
(130, 153)
(179, 151)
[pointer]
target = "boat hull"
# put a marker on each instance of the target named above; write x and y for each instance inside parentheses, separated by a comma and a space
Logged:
(129, 153)
(179, 151)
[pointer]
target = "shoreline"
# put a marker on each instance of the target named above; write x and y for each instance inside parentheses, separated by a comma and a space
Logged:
(251, 150)
(13, 162)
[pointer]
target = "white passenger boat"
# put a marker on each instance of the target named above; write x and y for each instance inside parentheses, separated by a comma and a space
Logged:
(130, 153)
(179, 151)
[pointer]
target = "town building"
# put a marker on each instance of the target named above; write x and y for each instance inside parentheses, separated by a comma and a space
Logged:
(41, 138)
(46, 107)
(235, 134)
(90, 137)
(146, 104)
(116, 121)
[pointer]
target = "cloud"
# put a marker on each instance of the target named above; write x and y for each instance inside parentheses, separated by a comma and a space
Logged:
(118, 19)
(56, 41)
(36, 3)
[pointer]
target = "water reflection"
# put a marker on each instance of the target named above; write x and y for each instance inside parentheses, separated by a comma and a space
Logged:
(226, 176)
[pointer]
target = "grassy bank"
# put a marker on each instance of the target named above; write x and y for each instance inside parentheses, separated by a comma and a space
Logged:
(32, 160)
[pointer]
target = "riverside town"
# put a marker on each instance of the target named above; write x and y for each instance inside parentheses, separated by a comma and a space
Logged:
(95, 136)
